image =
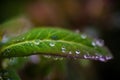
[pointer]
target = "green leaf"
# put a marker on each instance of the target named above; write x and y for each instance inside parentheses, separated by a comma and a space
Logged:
(55, 42)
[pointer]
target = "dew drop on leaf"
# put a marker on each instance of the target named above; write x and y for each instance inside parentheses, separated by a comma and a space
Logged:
(86, 57)
(37, 42)
(63, 49)
(77, 52)
(100, 43)
(93, 43)
(83, 36)
(108, 57)
(102, 59)
(52, 44)
(96, 57)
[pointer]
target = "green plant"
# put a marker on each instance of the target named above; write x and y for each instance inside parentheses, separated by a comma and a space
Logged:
(56, 42)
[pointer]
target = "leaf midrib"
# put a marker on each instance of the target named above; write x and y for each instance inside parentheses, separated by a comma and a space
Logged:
(23, 42)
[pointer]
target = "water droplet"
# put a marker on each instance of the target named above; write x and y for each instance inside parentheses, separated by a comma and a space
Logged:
(85, 56)
(96, 57)
(83, 36)
(100, 43)
(77, 52)
(93, 43)
(70, 52)
(63, 49)
(102, 59)
(37, 42)
(52, 44)
(108, 57)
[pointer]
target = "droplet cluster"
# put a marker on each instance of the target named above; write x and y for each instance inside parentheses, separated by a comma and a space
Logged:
(98, 42)
(97, 57)
(63, 49)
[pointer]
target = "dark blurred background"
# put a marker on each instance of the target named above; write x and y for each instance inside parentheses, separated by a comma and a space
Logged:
(98, 18)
